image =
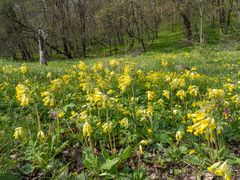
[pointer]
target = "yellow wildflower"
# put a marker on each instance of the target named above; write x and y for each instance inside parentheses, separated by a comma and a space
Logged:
(124, 122)
(82, 66)
(144, 142)
(49, 75)
(83, 116)
(193, 90)
(192, 151)
(141, 149)
(61, 114)
(124, 82)
(48, 99)
(97, 67)
(179, 135)
(166, 94)
(23, 69)
(107, 127)
(221, 169)
(41, 135)
(177, 82)
(161, 102)
(215, 93)
(181, 94)
(18, 133)
(114, 63)
(87, 129)
(151, 95)
(56, 84)
(150, 131)
(23, 95)
(236, 99)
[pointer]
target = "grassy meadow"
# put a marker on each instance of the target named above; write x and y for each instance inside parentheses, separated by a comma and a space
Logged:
(161, 115)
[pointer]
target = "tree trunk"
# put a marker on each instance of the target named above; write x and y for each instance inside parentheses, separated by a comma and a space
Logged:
(187, 30)
(42, 50)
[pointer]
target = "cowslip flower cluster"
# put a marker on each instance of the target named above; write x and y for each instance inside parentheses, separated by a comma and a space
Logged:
(203, 123)
(142, 143)
(23, 95)
(48, 99)
(41, 135)
(18, 133)
(181, 94)
(221, 169)
(23, 69)
(193, 90)
(107, 127)
(216, 93)
(124, 122)
(124, 81)
(151, 95)
(87, 129)
(178, 135)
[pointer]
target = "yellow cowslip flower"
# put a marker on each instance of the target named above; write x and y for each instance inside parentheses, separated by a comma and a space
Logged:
(107, 72)
(150, 131)
(179, 135)
(161, 102)
(97, 96)
(97, 67)
(140, 74)
(82, 66)
(65, 78)
(202, 123)
(18, 133)
(110, 92)
(49, 75)
(3, 85)
(192, 151)
(194, 75)
(124, 122)
(193, 90)
(177, 82)
(144, 142)
(166, 94)
(114, 63)
(41, 135)
(221, 169)
(124, 82)
(149, 111)
(73, 115)
(181, 94)
(107, 127)
(23, 95)
(236, 99)
(175, 111)
(151, 95)
(83, 116)
(153, 77)
(61, 114)
(194, 68)
(141, 149)
(48, 99)
(23, 69)
(112, 74)
(56, 84)
(127, 68)
(215, 93)
(87, 129)
(229, 86)
(164, 63)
